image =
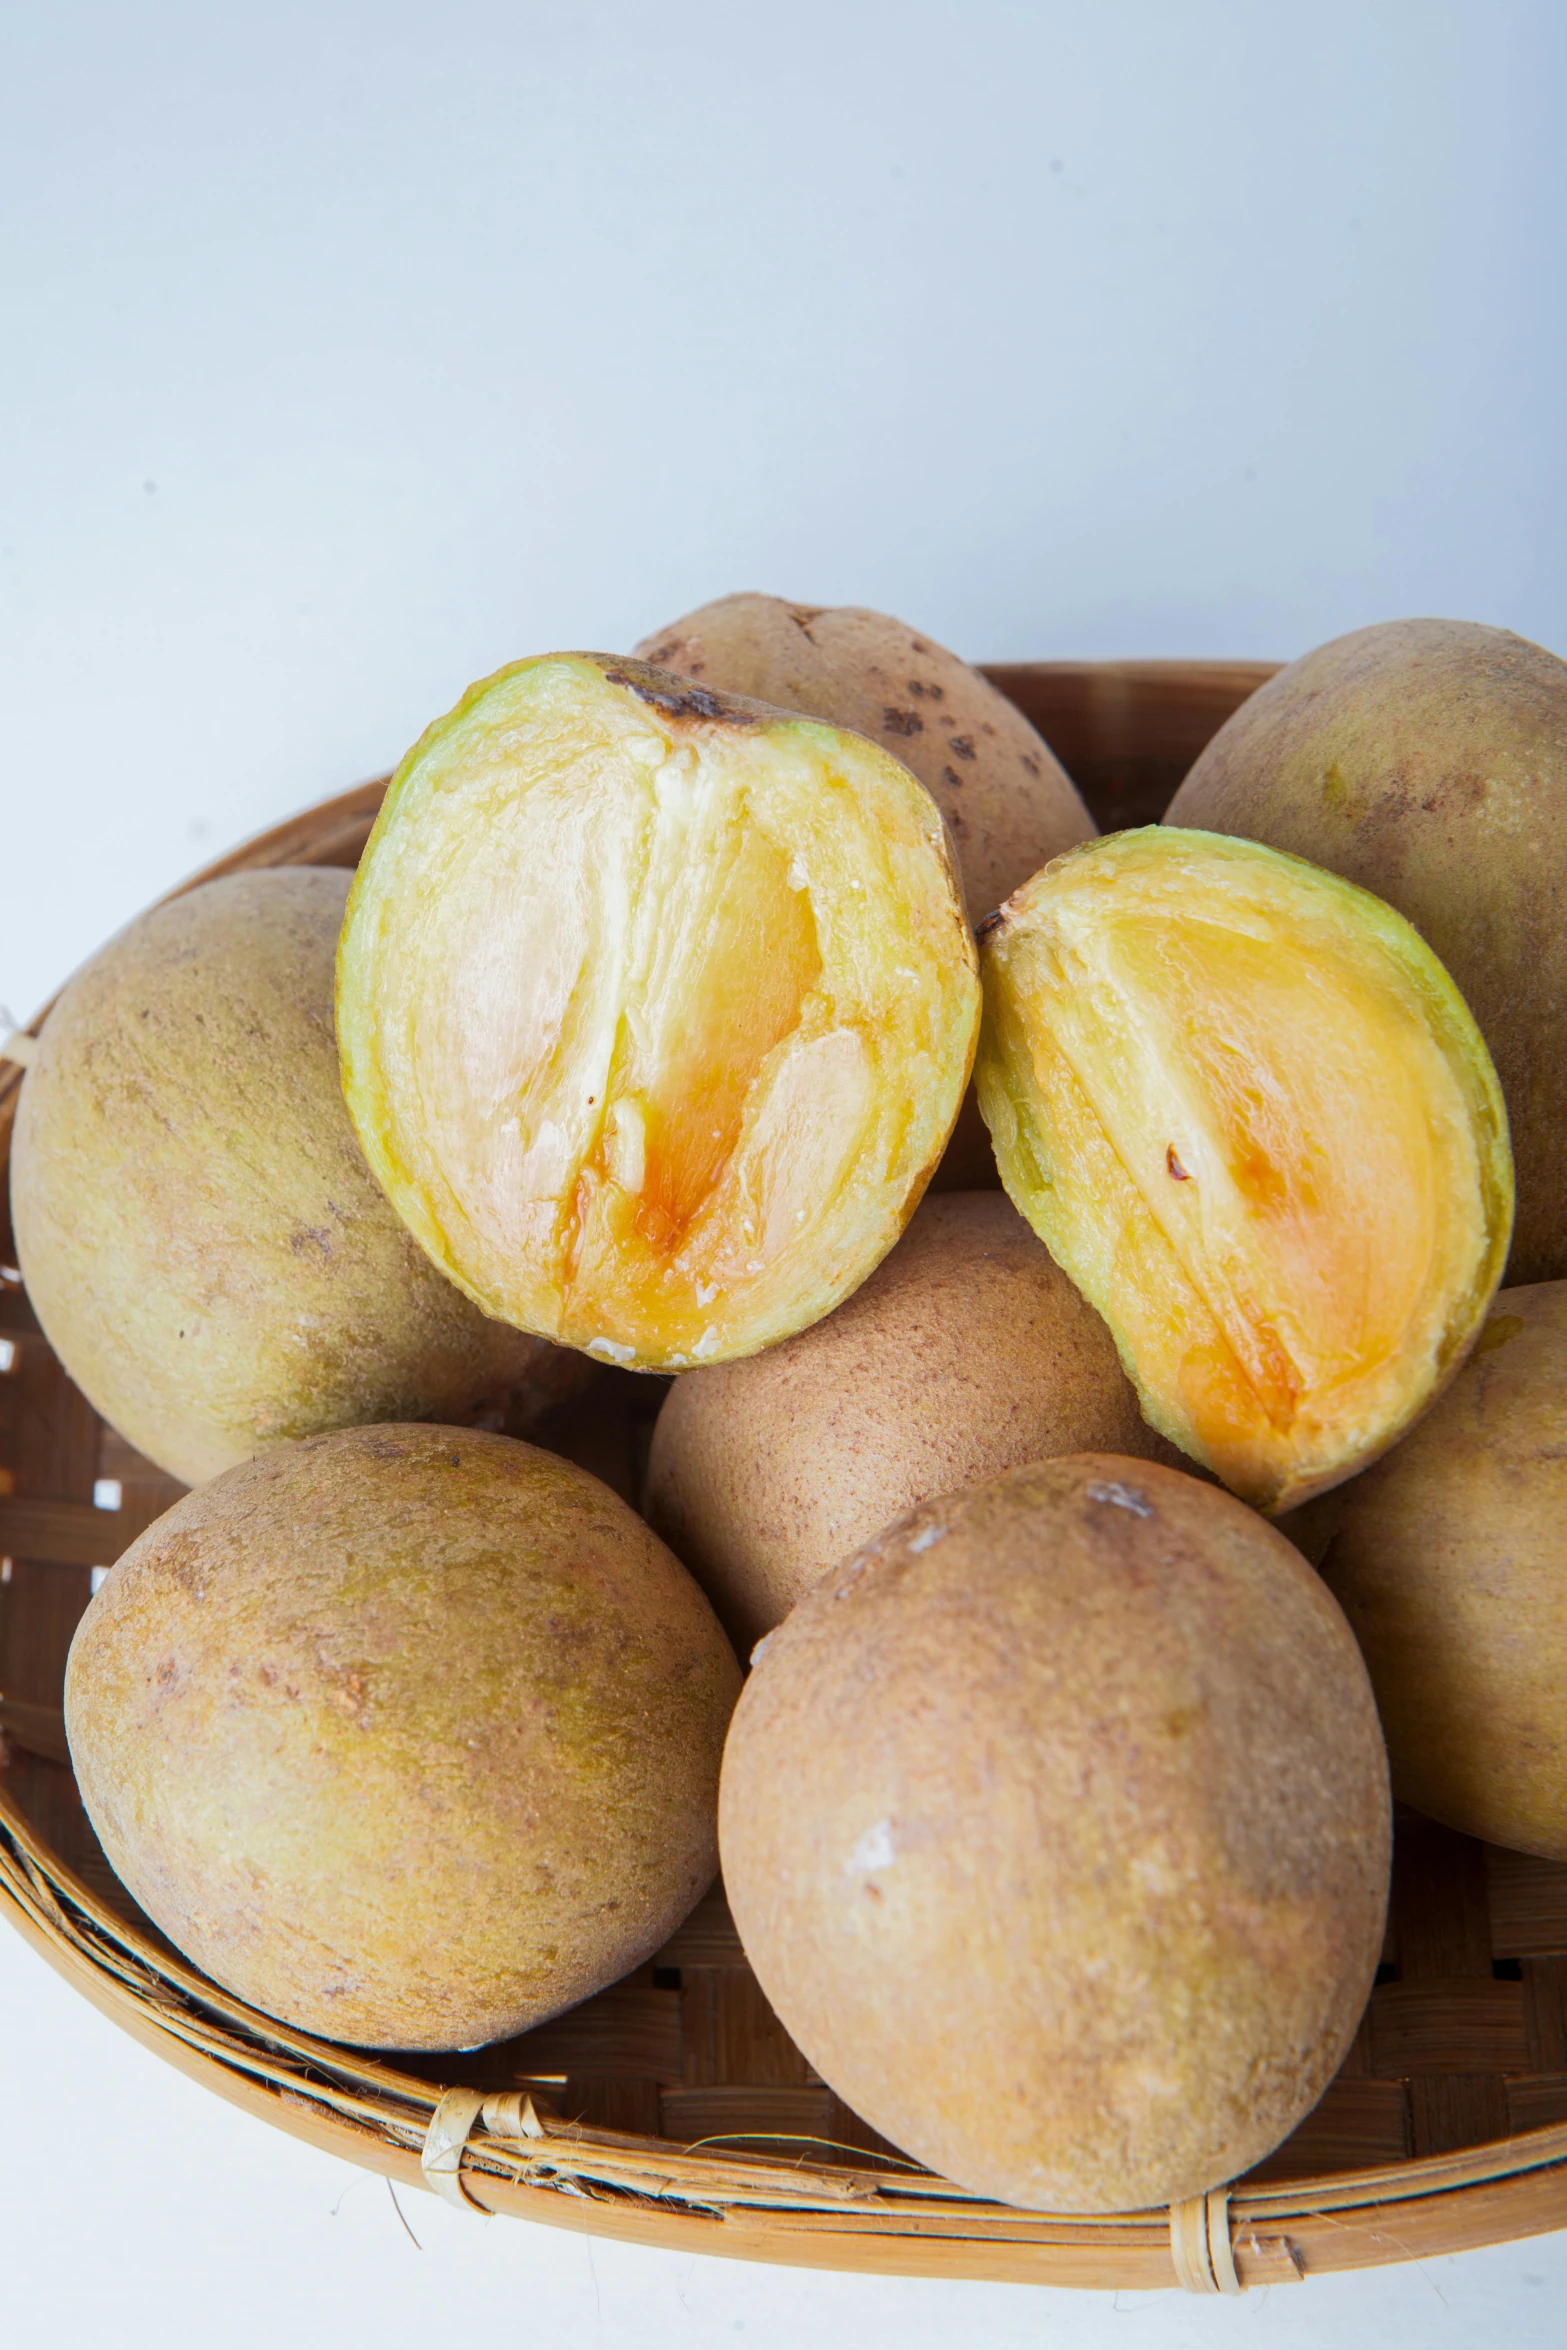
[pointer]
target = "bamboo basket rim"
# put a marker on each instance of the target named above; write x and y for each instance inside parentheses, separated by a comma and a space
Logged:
(729, 2196)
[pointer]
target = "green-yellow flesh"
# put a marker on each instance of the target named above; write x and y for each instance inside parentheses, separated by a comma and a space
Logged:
(1248, 1112)
(655, 1009)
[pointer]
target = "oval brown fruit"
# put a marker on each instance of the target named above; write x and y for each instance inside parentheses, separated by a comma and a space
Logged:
(968, 1351)
(1427, 761)
(409, 1736)
(1449, 1558)
(1056, 1827)
(199, 1234)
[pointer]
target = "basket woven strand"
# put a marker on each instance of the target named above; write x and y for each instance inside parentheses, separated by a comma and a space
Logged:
(673, 2109)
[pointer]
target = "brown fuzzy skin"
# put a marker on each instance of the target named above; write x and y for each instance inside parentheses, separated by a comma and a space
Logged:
(1010, 805)
(410, 1736)
(968, 1351)
(1427, 761)
(1056, 1828)
(1449, 1558)
(201, 1239)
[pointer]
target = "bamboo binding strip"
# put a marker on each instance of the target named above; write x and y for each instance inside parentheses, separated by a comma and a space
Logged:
(673, 2109)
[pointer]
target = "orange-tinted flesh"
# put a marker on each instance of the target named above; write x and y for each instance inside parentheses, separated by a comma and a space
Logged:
(1248, 1112)
(656, 1009)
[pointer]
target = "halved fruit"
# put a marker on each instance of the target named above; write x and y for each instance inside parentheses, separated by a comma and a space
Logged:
(1248, 1112)
(655, 1006)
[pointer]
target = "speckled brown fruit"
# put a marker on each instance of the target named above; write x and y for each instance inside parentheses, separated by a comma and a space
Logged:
(408, 1735)
(1427, 760)
(1450, 1560)
(1056, 1827)
(1009, 803)
(200, 1236)
(967, 1351)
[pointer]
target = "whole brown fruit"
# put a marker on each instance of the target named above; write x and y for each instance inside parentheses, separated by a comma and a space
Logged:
(410, 1736)
(1009, 803)
(1427, 760)
(1449, 1558)
(967, 1351)
(200, 1237)
(1056, 1828)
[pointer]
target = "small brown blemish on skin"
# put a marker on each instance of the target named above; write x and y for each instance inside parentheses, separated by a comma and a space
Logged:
(992, 922)
(1497, 1332)
(949, 776)
(1030, 762)
(929, 693)
(962, 746)
(1172, 1166)
(902, 722)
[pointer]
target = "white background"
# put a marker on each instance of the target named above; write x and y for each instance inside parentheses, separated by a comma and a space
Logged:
(347, 351)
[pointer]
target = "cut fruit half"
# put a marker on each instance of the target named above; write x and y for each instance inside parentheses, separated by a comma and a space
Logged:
(1249, 1114)
(655, 1007)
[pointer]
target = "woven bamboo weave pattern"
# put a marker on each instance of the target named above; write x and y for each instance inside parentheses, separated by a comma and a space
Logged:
(673, 2108)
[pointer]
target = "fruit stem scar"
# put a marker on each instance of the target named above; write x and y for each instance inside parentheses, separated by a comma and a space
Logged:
(1173, 1166)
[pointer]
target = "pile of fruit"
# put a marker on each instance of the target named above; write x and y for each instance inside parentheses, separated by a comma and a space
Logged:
(1095, 1539)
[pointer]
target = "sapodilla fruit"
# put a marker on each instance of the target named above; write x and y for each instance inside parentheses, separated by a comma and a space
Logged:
(1427, 760)
(409, 1736)
(1055, 1824)
(1246, 1109)
(200, 1237)
(656, 1008)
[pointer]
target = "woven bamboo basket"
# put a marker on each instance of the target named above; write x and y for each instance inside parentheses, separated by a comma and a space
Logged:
(673, 2109)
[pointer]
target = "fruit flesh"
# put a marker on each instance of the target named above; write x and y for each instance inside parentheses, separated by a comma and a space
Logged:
(1009, 803)
(1427, 761)
(1247, 1111)
(655, 1009)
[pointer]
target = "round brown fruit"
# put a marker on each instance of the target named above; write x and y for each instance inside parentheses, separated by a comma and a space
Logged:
(1244, 1106)
(1427, 760)
(409, 1736)
(967, 1351)
(1449, 1558)
(198, 1231)
(1056, 1828)
(656, 1008)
